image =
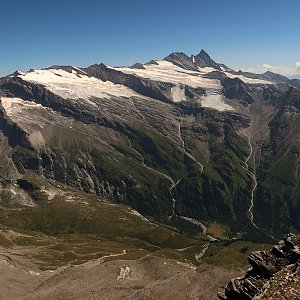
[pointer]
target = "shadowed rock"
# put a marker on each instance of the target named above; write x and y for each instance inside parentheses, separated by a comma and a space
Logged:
(275, 271)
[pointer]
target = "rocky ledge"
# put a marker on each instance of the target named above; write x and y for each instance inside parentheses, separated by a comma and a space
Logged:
(275, 274)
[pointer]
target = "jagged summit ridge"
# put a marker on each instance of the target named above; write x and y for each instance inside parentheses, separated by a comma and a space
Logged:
(192, 62)
(182, 60)
(203, 60)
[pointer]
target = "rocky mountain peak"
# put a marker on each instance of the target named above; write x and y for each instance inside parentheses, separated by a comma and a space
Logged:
(192, 62)
(204, 60)
(203, 54)
(276, 77)
(182, 60)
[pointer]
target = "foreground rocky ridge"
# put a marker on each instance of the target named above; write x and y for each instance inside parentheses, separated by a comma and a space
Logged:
(275, 274)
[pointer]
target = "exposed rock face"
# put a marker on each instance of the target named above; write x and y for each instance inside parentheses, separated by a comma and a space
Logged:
(275, 274)
(237, 89)
(201, 60)
(138, 66)
(277, 174)
(295, 82)
(204, 60)
(276, 77)
(180, 59)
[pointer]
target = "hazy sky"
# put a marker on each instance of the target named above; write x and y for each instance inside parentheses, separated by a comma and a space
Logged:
(254, 35)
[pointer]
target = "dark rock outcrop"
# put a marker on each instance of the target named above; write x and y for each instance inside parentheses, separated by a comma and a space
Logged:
(138, 66)
(275, 274)
(275, 77)
(181, 60)
(295, 83)
(16, 136)
(236, 89)
(151, 62)
(204, 60)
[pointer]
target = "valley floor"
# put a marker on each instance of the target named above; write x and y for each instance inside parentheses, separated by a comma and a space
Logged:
(148, 278)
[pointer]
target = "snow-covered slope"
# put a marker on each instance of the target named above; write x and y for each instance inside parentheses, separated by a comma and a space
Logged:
(76, 86)
(248, 79)
(80, 85)
(13, 106)
(215, 100)
(166, 71)
(34, 118)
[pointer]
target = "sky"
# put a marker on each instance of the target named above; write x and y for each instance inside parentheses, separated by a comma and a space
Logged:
(251, 35)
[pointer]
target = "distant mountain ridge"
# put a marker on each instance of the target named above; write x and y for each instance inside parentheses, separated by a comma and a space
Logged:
(203, 60)
(179, 139)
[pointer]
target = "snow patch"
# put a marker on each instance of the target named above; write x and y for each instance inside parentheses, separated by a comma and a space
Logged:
(178, 93)
(76, 86)
(215, 100)
(33, 273)
(19, 72)
(79, 70)
(13, 192)
(206, 70)
(14, 105)
(124, 273)
(248, 80)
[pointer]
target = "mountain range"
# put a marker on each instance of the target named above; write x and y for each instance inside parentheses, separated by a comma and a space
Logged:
(183, 137)
(181, 159)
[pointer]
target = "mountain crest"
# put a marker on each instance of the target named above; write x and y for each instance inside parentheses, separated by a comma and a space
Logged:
(203, 60)
(182, 60)
(192, 62)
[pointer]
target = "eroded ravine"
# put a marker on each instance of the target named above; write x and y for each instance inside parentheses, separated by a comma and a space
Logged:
(254, 180)
(184, 148)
